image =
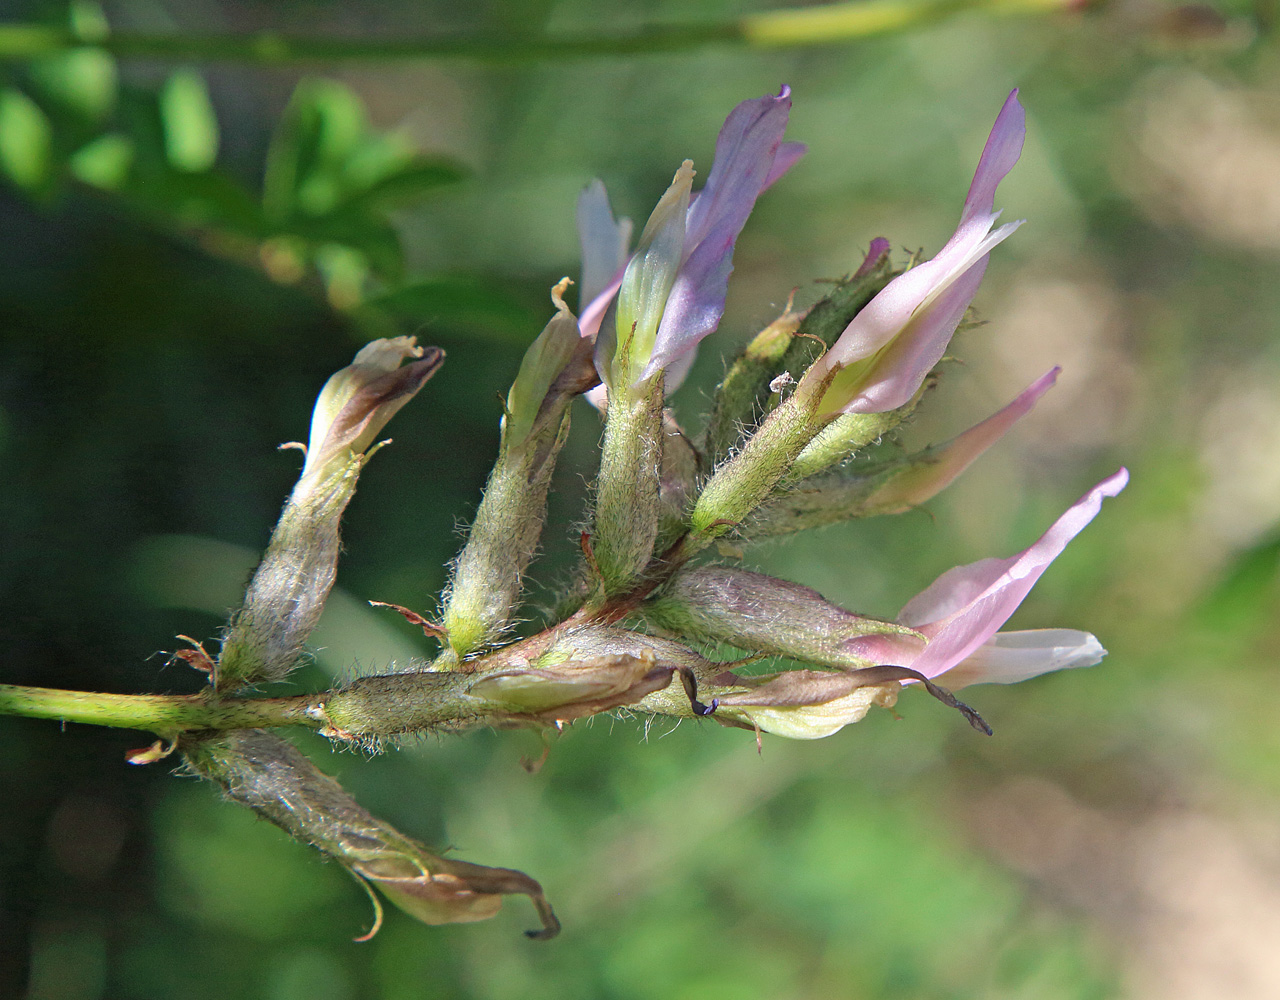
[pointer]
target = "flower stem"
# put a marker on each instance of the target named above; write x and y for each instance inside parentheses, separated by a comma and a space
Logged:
(164, 715)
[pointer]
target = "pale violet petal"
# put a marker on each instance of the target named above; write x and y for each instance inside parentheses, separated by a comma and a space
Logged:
(604, 241)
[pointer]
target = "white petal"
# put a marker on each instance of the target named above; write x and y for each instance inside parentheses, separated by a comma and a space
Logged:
(1010, 657)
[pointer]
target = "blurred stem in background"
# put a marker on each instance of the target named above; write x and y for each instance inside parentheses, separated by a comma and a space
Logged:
(831, 24)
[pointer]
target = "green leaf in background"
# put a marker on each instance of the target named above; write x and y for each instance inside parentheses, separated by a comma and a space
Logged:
(322, 124)
(25, 137)
(460, 300)
(103, 162)
(82, 81)
(407, 184)
(190, 125)
(1244, 603)
(87, 20)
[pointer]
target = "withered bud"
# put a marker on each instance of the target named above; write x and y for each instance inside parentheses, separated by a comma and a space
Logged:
(804, 704)
(484, 589)
(261, 771)
(811, 704)
(290, 586)
(358, 401)
(575, 687)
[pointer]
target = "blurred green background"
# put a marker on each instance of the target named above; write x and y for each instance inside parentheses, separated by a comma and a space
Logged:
(189, 248)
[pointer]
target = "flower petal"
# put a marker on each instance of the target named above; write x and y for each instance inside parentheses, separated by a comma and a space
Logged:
(1004, 146)
(605, 242)
(925, 479)
(788, 156)
(1010, 657)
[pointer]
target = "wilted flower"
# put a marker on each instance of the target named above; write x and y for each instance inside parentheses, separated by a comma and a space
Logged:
(260, 770)
(882, 357)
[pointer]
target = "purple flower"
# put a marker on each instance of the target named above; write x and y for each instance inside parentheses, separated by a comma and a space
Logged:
(881, 358)
(960, 612)
(673, 290)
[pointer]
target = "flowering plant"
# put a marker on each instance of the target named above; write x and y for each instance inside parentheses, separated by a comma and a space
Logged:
(640, 624)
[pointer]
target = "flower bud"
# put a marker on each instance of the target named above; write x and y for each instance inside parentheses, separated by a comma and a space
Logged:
(357, 402)
(741, 398)
(762, 614)
(673, 291)
(647, 282)
(575, 687)
(287, 593)
(483, 594)
(543, 363)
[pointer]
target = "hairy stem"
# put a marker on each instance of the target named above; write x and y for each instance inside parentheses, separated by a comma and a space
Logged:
(164, 715)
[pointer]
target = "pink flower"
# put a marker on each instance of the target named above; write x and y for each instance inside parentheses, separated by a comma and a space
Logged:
(960, 612)
(921, 480)
(883, 355)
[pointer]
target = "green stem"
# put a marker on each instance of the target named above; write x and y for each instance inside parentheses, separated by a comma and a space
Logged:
(164, 715)
(823, 25)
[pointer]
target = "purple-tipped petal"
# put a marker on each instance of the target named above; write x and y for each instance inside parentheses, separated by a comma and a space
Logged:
(746, 152)
(593, 312)
(1004, 146)
(907, 327)
(966, 606)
